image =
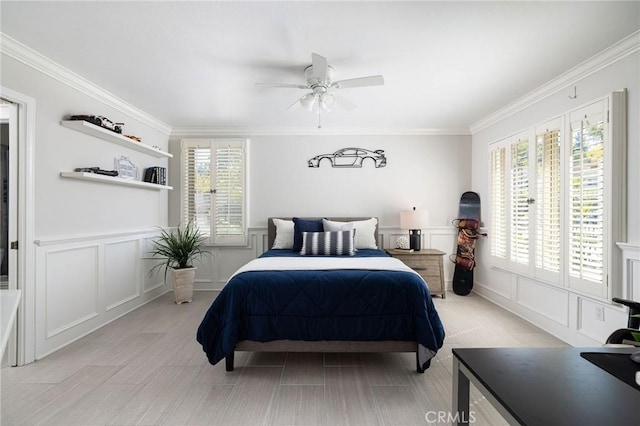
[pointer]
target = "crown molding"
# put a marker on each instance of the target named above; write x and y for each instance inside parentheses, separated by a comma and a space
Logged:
(623, 48)
(18, 51)
(311, 131)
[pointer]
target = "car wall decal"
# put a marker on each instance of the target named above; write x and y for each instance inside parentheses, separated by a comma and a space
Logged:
(350, 157)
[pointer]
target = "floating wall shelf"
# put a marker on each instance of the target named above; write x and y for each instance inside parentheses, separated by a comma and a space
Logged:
(108, 135)
(113, 180)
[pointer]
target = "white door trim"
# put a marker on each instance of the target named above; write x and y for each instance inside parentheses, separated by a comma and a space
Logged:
(26, 222)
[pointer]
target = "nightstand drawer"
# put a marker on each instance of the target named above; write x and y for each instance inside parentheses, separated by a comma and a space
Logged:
(428, 264)
(422, 265)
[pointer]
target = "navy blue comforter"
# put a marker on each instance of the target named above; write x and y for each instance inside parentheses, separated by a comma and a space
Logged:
(349, 304)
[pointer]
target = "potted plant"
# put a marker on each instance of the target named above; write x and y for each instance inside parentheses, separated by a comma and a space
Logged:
(179, 248)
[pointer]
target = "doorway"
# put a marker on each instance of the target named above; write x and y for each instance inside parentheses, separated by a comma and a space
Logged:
(18, 111)
(8, 211)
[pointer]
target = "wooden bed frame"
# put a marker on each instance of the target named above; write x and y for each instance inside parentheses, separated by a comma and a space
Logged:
(325, 345)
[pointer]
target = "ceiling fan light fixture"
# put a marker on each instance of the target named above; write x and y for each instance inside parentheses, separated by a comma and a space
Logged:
(319, 80)
(327, 101)
(307, 101)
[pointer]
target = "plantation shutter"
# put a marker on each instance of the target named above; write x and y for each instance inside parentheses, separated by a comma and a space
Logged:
(587, 198)
(497, 167)
(228, 198)
(547, 200)
(214, 188)
(196, 187)
(519, 202)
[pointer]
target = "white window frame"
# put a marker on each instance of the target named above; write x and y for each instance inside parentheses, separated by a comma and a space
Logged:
(216, 238)
(614, 213)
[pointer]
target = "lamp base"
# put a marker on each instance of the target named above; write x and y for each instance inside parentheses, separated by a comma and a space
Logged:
(414, 239)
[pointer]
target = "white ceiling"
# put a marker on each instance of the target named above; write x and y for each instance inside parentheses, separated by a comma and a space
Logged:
(195, 64)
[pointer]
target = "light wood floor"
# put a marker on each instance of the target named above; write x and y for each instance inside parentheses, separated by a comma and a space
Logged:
(147, 369)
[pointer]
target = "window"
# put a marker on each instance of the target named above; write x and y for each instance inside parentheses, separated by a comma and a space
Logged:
(214, 188)
(553, 198)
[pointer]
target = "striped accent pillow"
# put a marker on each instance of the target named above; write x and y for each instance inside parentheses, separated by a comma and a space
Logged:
(337, 243)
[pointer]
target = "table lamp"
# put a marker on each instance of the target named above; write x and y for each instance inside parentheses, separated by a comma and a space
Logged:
(414, 220)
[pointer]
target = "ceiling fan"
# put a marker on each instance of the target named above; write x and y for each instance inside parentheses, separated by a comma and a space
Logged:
(319, 77)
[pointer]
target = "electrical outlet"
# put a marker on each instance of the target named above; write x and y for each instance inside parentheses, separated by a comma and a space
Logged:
(600, 313)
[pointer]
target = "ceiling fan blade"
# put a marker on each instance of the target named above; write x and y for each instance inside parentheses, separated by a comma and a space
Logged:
(289, 85)
(374, 80)
(319, 66)
(345, 103)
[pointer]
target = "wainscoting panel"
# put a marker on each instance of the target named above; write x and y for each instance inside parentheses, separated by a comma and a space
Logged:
(71, 285)
(501, 284)
(85, 282)
(152, 276)
(577, 319)
(548, 301)
(121, 272)
(598, 321)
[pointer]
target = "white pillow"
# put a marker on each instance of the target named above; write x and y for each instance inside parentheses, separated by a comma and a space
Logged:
(284, 234)
(332, 226)
(365, 231)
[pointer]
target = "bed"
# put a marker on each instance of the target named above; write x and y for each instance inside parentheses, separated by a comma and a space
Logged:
(359, 301)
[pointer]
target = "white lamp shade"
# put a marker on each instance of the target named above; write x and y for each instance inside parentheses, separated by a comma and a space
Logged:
(414, 219)
(327, 101)
(307, 101)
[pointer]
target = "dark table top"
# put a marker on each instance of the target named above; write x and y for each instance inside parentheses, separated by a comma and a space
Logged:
(554, 386)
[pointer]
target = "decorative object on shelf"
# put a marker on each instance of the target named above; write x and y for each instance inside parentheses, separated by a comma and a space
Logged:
(97, 170)
(402, 243)
(179, 249)
(414, 220)
(350, 158)
(155, 175)
(126, 169)
(101, 121)
(135, 138)
(319, 77)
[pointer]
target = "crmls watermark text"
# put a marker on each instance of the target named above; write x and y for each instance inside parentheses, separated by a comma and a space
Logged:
(433, 417)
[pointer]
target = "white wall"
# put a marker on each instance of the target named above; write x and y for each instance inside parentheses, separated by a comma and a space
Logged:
(429, 172)
(424, 171)
(80, 281)
(73, 207)
(564, 313)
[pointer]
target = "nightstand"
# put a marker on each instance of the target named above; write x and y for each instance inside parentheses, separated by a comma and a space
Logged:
(427, 263)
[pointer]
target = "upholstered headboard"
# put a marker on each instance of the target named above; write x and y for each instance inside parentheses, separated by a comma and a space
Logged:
(271, 227)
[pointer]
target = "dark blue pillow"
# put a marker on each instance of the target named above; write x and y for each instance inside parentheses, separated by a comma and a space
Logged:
(304, 225)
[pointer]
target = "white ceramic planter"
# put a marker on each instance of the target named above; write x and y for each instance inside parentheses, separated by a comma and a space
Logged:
(183, 284)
